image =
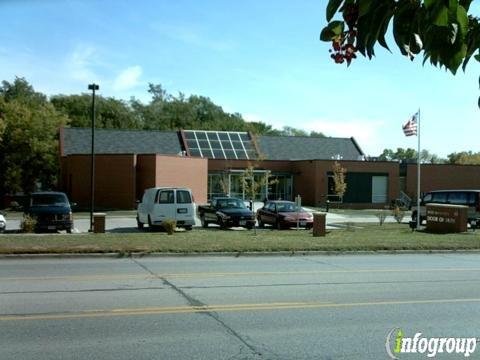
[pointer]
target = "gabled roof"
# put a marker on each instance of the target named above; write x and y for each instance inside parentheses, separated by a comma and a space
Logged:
(77, 141)
(111, 141)
(308, 148)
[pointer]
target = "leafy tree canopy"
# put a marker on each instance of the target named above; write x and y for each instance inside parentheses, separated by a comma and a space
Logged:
(464, 158)
(410, 154)
(110, 113)
(29, 144)
(164, 112)
(444, 30)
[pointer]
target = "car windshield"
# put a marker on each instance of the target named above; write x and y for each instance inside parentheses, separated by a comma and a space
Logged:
(230, 204)
(287, 207)
(49, 200)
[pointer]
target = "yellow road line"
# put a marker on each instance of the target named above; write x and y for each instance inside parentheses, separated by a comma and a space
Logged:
(227, 274)
(224, 308)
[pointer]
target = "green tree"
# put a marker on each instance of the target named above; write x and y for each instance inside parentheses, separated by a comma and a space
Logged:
(443, 30)
(110, 113)
(316, 134)
(409, 154)
(464, 158)
(339, 179)
(29, 145)
(399, 154)
(252, 187)
(172, 112)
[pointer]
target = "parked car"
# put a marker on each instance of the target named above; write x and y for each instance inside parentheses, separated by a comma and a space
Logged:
(51, 210)
(284, 214)
(3, 223)
(226, 212)
(166, 203)
(470, 198)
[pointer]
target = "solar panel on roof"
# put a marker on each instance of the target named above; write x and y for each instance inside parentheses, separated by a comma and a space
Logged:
(220, 144)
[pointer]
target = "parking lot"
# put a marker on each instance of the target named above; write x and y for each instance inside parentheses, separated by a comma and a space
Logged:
(127, 223)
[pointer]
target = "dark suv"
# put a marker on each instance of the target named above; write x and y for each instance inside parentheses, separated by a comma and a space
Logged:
(51, 210)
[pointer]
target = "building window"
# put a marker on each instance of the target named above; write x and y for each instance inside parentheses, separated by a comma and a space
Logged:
(217, 184)
(222, 184)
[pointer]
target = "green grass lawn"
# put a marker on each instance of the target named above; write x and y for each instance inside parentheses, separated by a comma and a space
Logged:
(367, 238)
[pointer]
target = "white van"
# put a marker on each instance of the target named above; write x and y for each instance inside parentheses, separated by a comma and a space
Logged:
(166, 203)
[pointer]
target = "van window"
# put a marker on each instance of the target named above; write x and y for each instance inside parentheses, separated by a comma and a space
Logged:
(473, 199)
(427, 198)
(439, 197)
(166, 197)
(458, 198)
(183, 197)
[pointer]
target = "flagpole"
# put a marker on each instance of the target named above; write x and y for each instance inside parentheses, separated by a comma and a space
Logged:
(418, 173)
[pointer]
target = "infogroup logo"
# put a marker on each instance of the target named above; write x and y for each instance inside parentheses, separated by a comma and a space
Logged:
(397, 343)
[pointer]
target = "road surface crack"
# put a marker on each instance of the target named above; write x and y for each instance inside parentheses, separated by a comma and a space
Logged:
(323, 263)
(197, 303)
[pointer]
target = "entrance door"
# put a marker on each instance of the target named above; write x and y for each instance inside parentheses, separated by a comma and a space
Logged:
(379, 189)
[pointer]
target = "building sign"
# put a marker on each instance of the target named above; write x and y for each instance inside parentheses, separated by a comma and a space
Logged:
(444, 218)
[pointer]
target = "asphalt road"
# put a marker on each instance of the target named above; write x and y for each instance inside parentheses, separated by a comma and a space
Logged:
(318, 307)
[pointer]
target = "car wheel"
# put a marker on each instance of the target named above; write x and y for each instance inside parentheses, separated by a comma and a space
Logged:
(188, 228)
(139, 224)
(249, 226)
(414, 216)
(203, 221)
(278, 225)
(261, 224)
(69, 230)
(151, 227)
(221, 223)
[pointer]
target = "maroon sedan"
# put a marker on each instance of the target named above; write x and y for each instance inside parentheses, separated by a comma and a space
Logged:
(284, 214)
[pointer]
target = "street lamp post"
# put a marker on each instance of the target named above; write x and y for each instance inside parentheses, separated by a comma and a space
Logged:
(92, 87)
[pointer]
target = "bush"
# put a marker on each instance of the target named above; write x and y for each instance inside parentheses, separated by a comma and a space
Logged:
(169, 226)
(381, 215)
(398, 214)
(28, 224)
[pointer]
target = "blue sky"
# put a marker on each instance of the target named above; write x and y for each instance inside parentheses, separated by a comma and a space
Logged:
(262, 59)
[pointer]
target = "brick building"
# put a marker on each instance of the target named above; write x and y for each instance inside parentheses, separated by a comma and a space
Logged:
(211, 163)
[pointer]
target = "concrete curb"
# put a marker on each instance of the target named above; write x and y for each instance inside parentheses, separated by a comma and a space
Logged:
(230, 254)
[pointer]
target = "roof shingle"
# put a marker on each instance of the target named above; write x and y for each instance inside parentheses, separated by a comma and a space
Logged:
(113, 141)
(308, 148)
(110, 141)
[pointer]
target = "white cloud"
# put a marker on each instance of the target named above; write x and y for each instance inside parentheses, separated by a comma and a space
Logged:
(128, 78)
(80, 62)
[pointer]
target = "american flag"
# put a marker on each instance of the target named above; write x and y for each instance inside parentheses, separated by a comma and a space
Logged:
(410, 127)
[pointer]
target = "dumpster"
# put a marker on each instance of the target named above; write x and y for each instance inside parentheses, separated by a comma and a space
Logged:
(99, 222)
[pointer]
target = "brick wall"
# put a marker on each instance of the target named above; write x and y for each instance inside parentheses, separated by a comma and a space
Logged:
(312, 179)
(145, 171)
(114, 180)
(183, 172)
(442, 177)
